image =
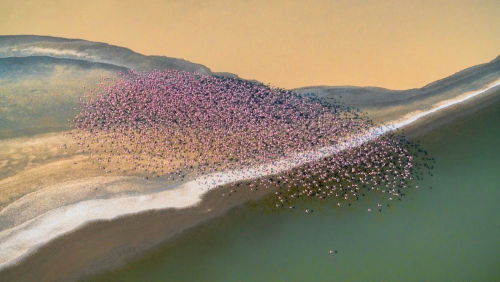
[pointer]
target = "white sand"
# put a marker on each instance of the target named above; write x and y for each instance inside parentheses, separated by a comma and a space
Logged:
(21, 240)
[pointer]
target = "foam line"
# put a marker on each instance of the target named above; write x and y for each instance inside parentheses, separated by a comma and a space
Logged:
(23, 239)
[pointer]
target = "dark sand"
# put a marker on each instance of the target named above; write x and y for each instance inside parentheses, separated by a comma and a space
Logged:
(109, 244)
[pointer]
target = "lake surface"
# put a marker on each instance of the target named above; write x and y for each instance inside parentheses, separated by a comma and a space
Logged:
(448, 233)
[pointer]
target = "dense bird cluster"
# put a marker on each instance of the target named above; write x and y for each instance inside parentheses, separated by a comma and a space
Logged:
(164, 121)
(385, 165)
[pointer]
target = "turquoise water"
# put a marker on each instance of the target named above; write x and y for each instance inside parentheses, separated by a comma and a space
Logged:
(448, 233)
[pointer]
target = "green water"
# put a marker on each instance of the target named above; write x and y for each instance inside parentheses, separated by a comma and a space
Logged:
(448, 233)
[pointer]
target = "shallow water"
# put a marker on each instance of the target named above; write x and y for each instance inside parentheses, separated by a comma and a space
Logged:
(447, 233)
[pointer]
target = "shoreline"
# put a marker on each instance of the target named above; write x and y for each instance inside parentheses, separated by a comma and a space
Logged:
(141, 231)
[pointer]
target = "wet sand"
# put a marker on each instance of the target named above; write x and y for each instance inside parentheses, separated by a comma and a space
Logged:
(107, 244)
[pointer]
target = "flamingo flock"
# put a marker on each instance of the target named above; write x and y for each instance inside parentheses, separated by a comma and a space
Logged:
(168, 121)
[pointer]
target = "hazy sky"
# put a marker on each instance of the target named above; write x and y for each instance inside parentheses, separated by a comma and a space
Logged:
(396, 44)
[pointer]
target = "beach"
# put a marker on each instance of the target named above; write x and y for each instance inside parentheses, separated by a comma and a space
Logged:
(117, 238)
